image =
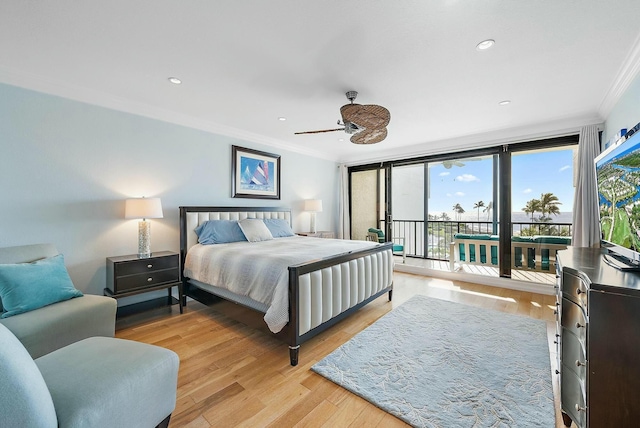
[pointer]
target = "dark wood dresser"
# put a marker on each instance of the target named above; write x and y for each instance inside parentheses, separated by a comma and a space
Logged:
(598, 340)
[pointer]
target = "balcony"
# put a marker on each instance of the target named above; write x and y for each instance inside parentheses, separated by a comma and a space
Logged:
(530, 262)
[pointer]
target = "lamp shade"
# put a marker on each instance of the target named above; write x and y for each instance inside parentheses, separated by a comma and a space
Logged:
(143, 208)
(313, 205)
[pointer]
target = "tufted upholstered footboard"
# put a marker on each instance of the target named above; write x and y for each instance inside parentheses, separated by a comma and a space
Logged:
(321, 292)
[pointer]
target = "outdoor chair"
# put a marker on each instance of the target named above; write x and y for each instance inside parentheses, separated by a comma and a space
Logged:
(377, 235)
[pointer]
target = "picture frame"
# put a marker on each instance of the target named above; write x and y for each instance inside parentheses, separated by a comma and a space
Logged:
(254, 174)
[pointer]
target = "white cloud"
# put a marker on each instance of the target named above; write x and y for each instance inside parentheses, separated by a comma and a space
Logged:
(564, 168)
(527, 191)
(459, 193)
(467, 178)
(444, 174)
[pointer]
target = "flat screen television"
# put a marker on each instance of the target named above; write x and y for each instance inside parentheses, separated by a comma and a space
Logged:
(618, 182)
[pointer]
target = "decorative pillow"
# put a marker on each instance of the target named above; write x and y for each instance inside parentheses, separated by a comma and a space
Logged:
(278, 227)
(219, 232)
(255, 230)
(28, 286)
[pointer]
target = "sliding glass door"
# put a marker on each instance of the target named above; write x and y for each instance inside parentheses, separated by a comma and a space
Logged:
(461, 200)
(408, 196)
(475, 212)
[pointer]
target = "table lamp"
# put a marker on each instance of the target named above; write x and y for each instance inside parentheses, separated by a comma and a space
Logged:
(143, 208)
(313, 206)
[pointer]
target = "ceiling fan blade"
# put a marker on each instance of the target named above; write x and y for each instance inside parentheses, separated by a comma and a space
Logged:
(318, 132)
(366, 116)
(369, 136)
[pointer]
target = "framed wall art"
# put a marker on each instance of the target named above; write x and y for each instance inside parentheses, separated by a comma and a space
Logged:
(254, 174)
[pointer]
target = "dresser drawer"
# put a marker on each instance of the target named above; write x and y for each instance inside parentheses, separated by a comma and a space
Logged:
(574, 289)
(574, 319)
(573, 355)
(573, 397)
(146, 265)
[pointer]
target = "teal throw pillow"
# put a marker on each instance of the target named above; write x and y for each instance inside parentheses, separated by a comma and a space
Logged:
(28, 286)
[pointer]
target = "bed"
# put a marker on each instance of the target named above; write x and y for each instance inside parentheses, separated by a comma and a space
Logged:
(318, 291)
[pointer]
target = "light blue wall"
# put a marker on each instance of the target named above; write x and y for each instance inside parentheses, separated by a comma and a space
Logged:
(626, 113)
(66, 168)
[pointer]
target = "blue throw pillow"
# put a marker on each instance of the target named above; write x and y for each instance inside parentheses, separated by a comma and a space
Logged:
(28, 286)
(219, 232)
(278, 227)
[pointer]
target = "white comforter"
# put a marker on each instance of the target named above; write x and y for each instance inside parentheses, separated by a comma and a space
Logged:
(259, 269)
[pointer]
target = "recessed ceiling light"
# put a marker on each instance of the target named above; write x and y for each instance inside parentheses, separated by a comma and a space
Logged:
(340, 139)
(485, 44)
(175, 80)
(504, 103)
(282, 119)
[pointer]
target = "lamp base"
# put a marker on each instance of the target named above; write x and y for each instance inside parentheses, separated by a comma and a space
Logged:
(144, 239)
(312, 224)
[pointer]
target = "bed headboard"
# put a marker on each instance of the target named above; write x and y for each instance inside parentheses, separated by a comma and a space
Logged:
(192, 217)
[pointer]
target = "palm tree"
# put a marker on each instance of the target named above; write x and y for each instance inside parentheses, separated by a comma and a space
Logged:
(477, 206)
(445, 217)
(549, 205)
(532, 207)
(457, 209)
(488, 209)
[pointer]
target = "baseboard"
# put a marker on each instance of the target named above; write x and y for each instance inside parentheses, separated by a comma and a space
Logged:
(512, 284)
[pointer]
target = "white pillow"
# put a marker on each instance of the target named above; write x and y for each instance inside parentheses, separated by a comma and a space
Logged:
(255, 230)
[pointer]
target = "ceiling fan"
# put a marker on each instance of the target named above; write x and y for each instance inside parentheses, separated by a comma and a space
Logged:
(367, 122)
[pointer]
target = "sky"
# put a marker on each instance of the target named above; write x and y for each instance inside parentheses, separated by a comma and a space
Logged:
(533, 173)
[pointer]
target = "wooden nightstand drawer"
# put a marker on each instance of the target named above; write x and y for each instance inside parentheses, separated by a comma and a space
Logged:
(146, 265)
(145, 280)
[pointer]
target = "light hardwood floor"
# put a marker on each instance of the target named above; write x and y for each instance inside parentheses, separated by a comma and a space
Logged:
(236, 374)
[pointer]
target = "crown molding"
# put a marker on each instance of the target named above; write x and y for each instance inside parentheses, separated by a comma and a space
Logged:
(627, 73)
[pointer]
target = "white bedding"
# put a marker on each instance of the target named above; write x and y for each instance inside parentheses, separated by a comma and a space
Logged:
(259, 269)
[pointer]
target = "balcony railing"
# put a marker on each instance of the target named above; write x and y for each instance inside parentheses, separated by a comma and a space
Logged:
(440, 233)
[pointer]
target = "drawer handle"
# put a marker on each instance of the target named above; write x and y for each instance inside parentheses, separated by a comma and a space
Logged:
(579, 363)
(580, 409)
(149, 266)
(578, 325)
(149, 279)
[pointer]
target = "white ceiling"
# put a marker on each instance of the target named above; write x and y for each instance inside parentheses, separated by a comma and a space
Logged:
(243, 64)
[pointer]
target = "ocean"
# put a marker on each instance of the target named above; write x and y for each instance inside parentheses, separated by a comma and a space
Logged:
(516, 217)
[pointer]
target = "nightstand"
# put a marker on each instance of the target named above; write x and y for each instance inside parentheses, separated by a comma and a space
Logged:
(130, 275)
(318, 234)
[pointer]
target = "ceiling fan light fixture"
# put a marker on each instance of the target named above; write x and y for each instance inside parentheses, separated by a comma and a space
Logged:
(485, 44)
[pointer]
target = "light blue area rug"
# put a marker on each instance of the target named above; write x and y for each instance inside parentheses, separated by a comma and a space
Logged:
(434, 363)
